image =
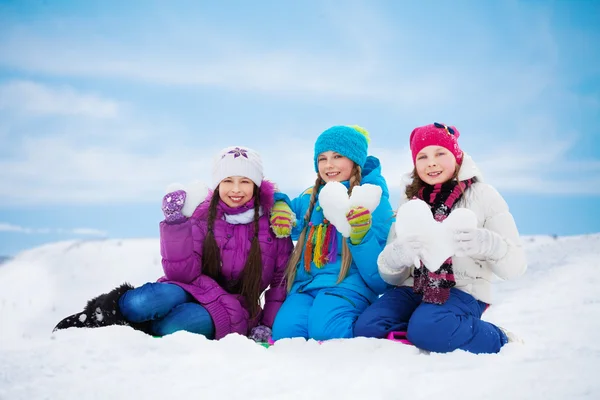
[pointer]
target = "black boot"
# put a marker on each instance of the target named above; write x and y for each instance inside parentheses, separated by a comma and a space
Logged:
(102, 311)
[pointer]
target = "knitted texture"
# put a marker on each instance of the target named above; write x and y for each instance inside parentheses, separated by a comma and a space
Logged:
(237, 161)
(479, 243)
(172, 205)
(435, 134)
(360, 220)
(282, 219)
(349, 141)
(260, 334)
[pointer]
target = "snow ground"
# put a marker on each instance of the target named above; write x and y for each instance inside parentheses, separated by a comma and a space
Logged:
(554, 307)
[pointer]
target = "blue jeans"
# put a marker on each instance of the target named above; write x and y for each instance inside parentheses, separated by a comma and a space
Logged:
(319, 314)
(169, 307)
(441, 328)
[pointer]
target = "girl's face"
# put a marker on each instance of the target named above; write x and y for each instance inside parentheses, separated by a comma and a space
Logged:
(334, 167)
(235, 191)
(435, 164)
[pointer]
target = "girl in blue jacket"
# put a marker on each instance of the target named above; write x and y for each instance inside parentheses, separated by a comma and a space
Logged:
(332, 279)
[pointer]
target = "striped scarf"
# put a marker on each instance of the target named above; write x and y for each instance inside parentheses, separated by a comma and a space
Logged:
(435, 286)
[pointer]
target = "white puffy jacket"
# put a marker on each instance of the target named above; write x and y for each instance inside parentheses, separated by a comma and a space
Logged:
(472, 275)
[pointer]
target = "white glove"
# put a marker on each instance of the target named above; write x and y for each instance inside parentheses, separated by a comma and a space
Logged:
(395, 260)
(401, 253)
(479, 243)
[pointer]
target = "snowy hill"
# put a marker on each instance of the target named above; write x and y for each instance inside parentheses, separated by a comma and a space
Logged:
(554, 307)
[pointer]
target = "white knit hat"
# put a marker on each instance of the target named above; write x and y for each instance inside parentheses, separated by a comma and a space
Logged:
(237, 161)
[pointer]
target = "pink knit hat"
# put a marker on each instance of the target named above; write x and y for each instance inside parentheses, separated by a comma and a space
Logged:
(435, 135)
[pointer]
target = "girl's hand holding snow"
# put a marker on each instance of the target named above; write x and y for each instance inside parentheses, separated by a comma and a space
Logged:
(360, 220)
(479, 243)
(180, 201)
(403, 252)
(337, 206)
(282, 219)
(172, 205)
(395, 260)
(260, 333)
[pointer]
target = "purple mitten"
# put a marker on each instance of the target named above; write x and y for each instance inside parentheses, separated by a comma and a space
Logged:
(260, 334)
(171, 206)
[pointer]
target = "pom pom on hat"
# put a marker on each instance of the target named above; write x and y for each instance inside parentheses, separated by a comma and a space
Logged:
(363, 131)
(349, 141)
(435, 134)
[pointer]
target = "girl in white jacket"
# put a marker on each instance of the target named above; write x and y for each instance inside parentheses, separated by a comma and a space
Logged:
(441, 311)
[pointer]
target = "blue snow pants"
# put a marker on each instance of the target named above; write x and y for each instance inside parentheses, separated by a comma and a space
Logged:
(440, 328)
(169, 307)
(319, 314)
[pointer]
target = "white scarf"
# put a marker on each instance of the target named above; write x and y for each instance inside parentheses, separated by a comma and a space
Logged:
(243, 218)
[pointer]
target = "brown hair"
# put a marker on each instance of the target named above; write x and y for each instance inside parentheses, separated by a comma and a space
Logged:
(417, 183)
(355, 179)
(248, 284)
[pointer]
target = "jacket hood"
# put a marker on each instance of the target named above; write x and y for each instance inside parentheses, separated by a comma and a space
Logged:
(371, 173)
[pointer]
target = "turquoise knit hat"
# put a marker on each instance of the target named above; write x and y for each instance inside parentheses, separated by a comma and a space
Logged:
(349, 141)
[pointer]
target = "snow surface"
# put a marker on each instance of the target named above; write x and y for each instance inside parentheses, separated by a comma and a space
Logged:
(554, 307)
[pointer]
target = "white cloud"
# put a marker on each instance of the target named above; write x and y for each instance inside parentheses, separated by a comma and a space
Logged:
(284, 73)
(5, 227)
(368, 61)
(33, 98)
(11, 228)
(103, 175)
(361, 69)
(93, 174)
(86, 231)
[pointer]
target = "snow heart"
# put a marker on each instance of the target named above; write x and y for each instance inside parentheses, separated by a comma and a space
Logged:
(196, 192)
(335, 202)
(414, 218)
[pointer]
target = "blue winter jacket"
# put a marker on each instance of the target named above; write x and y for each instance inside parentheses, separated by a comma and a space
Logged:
(363, 276)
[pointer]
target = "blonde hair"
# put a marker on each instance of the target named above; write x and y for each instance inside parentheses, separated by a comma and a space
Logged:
(292, 265)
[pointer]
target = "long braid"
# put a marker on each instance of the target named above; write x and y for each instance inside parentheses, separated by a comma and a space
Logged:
(297, 253)
(211, 255)
(252, 272)
(355, 180)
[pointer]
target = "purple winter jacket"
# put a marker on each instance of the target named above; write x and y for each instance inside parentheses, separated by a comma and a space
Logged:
(181, 250)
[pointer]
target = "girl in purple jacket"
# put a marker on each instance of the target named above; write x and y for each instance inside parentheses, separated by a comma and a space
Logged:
(217, 261)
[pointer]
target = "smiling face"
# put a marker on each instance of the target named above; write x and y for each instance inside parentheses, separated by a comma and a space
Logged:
(235, 191)
(334, 167)
(435, 164)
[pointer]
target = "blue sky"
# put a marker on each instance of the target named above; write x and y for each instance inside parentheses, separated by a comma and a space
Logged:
(105, 103)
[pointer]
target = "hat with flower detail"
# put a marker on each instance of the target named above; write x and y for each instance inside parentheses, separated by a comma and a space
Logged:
(237, 161)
